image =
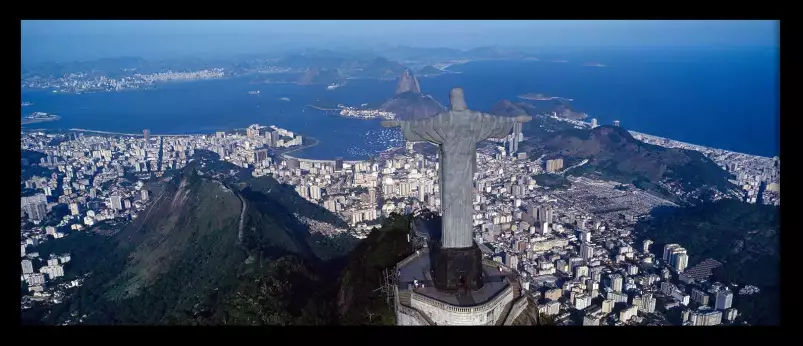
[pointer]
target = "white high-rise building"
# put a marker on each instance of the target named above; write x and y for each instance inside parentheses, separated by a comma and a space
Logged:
(607, 305)
(513, 262)
(585, 236)
(646, 246)
(705, 318)
(302, 191)
(74, 210)
(315, 192)
(680, 261)
(616, 282)
(627, 313)
(724, 300)
(117, 202)
(594, 123)
(580, 271)
(27, 267)
(582, 301)
(632, 269)
(35, 280)
(587, 251)
(648, 303)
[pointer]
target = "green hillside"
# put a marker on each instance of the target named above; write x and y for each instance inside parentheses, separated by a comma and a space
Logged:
(183, 261)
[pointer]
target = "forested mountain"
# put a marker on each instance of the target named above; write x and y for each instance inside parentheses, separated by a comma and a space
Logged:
(744, 237)
(187, 261)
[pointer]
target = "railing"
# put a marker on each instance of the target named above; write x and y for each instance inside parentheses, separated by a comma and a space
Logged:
(448, 307)
(410, 258)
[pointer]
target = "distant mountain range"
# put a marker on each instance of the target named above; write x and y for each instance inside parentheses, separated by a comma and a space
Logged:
(326, 67)
(379, 62)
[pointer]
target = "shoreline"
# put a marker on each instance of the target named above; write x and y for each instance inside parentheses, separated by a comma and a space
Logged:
(549, 98)
(322, 109)
(130, 134)
(303, 146)
(317, 141)
(632, 133)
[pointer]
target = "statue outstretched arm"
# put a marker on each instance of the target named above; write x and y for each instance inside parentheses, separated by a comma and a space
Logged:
(498, 127)
(422, 130)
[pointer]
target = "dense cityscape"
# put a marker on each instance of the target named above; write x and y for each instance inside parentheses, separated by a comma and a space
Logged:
(597, 269)
(83, 82)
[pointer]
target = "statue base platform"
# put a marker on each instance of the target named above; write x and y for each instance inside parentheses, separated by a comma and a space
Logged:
(457, 269)
(419, 303)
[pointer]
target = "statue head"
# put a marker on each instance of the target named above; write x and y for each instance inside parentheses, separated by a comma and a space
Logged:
(457, 100)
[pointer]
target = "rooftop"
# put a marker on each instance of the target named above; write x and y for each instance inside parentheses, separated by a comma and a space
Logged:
(419, 269)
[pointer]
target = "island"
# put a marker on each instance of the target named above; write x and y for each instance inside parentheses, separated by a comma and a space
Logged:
(39, 117)
(541, 97)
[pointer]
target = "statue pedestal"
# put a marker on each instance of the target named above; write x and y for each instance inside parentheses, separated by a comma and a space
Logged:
(457, 269)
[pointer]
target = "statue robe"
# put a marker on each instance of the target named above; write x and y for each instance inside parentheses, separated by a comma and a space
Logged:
(456, 133)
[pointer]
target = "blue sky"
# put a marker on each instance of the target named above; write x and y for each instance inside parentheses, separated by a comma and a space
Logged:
(82, 39)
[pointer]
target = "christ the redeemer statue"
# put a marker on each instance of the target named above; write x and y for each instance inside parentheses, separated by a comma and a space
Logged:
(456, 133)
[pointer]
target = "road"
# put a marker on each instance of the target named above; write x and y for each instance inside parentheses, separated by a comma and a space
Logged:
(242, 218)
(575, 166)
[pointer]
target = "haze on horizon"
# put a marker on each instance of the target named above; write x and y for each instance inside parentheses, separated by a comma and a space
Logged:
(54, 40)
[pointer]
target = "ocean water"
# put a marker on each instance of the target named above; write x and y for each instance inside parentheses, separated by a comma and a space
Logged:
(720, 98)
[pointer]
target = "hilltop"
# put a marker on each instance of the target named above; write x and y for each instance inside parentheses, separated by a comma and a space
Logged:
(539, 126)
(320, 76)
(614, 154)
(744, 237)
(326, 67)
(409, 103)
(187, 253)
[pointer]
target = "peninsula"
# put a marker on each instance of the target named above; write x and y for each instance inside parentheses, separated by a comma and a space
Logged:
(39, 117)
(541, 97)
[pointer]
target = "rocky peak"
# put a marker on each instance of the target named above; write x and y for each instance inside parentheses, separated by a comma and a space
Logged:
(408, 82)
